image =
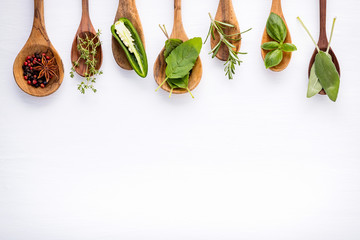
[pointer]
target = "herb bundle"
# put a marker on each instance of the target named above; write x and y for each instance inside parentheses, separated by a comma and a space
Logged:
(88, 48)
(277, 30)
(323, 74)
(180, 58)
(233, 59)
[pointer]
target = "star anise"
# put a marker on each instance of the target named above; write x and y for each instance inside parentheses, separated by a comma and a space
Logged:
(47, 68)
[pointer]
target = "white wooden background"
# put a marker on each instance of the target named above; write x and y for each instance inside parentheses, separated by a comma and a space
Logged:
(248, 159)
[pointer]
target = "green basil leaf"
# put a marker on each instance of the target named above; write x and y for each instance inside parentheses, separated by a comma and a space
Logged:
(328, 76)
(179, 82)
(276, 28)
(273, 58)
(314, 86)
(170, 45)
(288, 47)
(270, 45)
(182, 59)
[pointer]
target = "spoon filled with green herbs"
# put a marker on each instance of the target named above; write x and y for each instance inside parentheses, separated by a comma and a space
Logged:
(276, 46)
(324, 69)
(178, 67)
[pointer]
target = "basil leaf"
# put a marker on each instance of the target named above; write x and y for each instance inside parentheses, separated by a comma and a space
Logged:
(273, 58)
(179, 82)
(314, 86)
(182, 59)
(170, 45)
(288, 47)
(270, 45)
(276, 28)
(328, 76)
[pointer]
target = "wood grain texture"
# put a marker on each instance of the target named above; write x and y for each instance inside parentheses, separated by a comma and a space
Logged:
(38, 42)
(126, 9)
(178, 32)
(225, 13)
(85, 29)
(276, 8)
(323, 42)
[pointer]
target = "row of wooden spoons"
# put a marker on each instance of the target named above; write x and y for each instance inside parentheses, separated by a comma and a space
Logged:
(39, 42)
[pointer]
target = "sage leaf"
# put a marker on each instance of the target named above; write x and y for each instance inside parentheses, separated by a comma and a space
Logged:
(170, 45)
(314, 86)
(273, 58)
(270, 45)
(328, 76)
(276, 28)
(182, 59)
(288, 47)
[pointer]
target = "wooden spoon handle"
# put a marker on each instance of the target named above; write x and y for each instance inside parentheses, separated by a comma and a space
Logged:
(85, 9)
(276, 7)
(38, 30)
(178, 27)
(323, 42)
(225, 3)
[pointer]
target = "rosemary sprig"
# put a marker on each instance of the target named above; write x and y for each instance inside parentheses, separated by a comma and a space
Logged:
(87, 48)
(226, 39)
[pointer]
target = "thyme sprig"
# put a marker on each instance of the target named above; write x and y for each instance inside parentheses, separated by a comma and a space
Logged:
(226, 39)
(87, 48)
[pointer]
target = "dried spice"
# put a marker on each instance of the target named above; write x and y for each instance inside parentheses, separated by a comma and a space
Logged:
(47, 68)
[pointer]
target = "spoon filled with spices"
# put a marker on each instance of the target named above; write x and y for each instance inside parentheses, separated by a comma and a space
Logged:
(126, 9)
(226, 14)
(85, 30)
(38, 69)
(178, 32)
(276, 9)
(323, 42)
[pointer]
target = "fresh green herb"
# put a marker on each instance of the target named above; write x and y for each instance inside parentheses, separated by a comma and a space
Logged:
(233, 59)
(328, 76)
(314, 86)
(276, 29)
(323, 74)
(88, 47)
(273, 58)
(128, 38)
(180, 58)
(171, 43)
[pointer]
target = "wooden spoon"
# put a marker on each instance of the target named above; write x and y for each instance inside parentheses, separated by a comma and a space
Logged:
(85, 29)
(178, 32)
(126, 9)
(38, 42)
(276, 8)
(226, 13)
(323, 41)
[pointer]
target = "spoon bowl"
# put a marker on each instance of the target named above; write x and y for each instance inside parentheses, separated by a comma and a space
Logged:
(323, 42)
(334, 59)
(38, 42)
(160, 64)
(86, 29)
(126, 9)
(276, 8)
(226, 14)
